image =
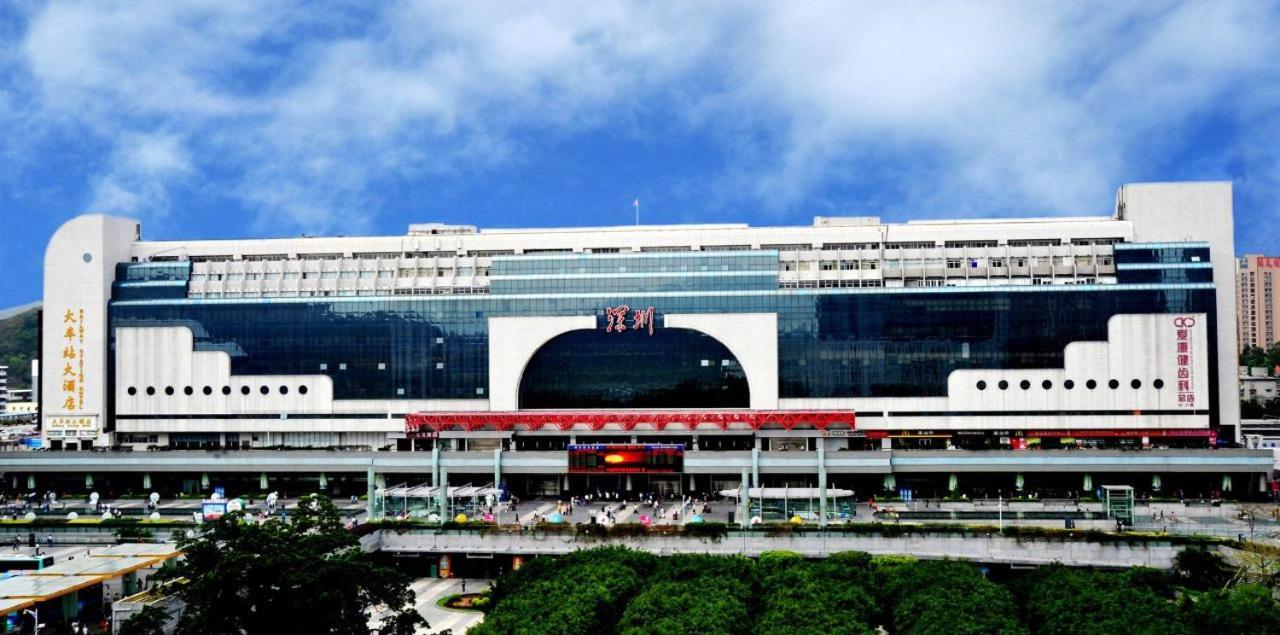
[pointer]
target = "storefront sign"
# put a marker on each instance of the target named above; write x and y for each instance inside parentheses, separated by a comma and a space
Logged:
(641, 319)
(79, 422)
(1185, 358)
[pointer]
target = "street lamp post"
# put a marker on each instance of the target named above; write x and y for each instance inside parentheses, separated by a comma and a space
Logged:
(35, 619)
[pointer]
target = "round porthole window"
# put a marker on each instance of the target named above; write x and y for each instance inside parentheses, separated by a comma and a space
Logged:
(151, 390)
(208, 390)
(284, 390)
(1113, 384)
(982, 385)
(264, 390)
(1091, 384)
(1136, 384)
(1069, 384)
(302, 390)
(132, 391)
(244, 390)
(188, 391)
(1003, 385)
(88, 257)
(226, 390)
(1046, 384)
(1024, 384)
(1159, 383)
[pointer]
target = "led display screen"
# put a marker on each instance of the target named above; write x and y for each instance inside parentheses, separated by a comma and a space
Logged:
(608, 458)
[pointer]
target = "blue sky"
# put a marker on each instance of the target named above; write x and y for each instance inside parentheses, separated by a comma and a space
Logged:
(213, 119)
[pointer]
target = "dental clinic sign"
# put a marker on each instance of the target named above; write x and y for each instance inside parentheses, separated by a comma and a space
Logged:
(1185, 360)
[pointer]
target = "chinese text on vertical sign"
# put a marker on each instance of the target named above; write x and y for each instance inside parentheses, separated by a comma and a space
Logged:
(73, 360)
(1186, 379)
(641, 319)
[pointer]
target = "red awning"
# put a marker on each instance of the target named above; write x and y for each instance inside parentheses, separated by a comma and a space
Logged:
(628, 420)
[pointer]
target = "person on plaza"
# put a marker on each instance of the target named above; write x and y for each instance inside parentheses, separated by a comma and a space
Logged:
(16, 542)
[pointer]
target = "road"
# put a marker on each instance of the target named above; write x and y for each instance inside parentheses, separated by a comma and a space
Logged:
(429, 590)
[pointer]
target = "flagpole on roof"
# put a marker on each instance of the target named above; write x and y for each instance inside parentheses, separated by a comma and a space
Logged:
(637, 206)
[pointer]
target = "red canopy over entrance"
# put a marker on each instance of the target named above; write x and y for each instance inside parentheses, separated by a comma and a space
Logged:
(628, 420)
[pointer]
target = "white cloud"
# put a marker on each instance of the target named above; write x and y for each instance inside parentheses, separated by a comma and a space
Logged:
(1002, 106)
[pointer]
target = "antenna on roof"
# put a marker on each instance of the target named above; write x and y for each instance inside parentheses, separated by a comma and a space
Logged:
(637, 206)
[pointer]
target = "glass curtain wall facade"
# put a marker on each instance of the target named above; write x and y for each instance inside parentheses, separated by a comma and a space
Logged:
(845, 342)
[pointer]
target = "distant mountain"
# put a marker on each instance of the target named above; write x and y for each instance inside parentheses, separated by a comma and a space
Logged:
(15, 310)
(18, 345)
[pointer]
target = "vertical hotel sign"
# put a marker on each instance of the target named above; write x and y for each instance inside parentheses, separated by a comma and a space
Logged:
(1185, 352)
(73, 420)
(73, 360)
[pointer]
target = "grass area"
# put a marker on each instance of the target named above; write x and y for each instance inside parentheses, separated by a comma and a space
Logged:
(464, 602)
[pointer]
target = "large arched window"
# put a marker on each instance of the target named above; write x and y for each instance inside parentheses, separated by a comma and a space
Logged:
(673, 368)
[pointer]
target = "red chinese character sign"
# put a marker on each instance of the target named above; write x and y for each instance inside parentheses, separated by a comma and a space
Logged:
(616, 317)
(1184, 356)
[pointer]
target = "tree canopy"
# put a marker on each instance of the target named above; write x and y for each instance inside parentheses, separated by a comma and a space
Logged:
(307, 575)
(613, 590)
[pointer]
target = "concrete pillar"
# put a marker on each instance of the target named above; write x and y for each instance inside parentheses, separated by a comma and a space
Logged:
(497, 466)
(435, 464)
(744, 500)
(370, 479)
(755, 465)
(442, 497)
(822, 483)
(323, 482)
(146, 480)
(628, 482)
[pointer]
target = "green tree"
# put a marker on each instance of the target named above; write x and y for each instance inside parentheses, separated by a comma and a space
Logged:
(711, 605)
(1200, 569)
(581, 592)
(149, 621)
(308, 575)
(1246, 608)
(799, 597)
(1062, 601)
(945, 596)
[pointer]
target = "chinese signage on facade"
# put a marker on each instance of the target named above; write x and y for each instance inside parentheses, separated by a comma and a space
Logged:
(640, 319)
(1185, 361)
(73, 360)
(72, 423)
(1264, 262)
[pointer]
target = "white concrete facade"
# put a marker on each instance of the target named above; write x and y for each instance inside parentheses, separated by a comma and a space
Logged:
(833, 253)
